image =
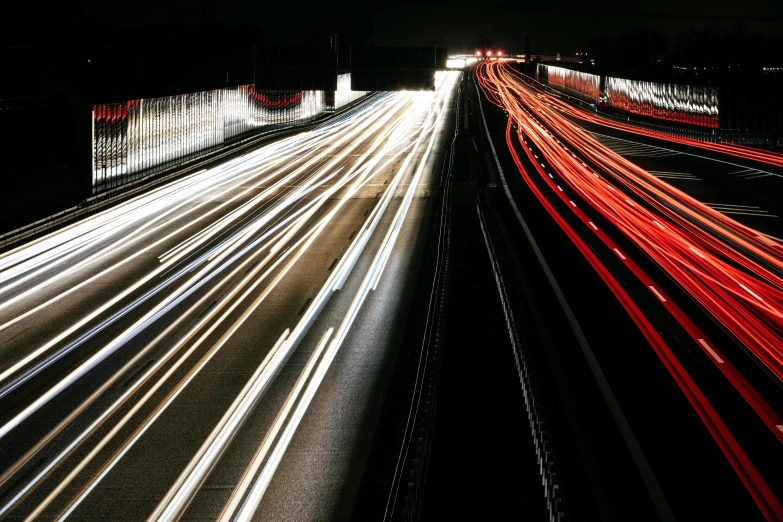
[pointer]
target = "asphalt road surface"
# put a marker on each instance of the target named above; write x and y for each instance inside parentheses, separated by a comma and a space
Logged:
(214, 347)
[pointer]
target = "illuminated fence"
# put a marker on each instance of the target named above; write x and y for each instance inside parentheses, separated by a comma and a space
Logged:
(694, 105)
(344, 95)
(584, 86)
(131, 139)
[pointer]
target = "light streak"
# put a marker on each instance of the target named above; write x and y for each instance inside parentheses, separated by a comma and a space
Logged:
(711, 257)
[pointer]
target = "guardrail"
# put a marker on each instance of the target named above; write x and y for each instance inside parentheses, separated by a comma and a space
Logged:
(547, 467)
(542, 440)
(407, 489)
(177, 169)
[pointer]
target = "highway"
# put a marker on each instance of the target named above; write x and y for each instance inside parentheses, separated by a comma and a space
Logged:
(211, 349)
(684, 275)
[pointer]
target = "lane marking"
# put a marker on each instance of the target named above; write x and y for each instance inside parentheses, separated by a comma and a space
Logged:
(654, 489)
(620, 254)
(730, 205)
(657, 293)
(748, 290)
(738, 213)
(744, 168)
(697, 252)
(593, 225)
(559, 188)
(712, 352)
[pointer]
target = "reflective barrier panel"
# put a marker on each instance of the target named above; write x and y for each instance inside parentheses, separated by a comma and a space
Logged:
(344, 94)
(581, 85)
(133, 139)
(691, 104)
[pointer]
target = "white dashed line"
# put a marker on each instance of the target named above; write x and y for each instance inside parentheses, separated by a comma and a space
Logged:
(657, 293)
(574, 204)
(616, 251)
(697, 252)
(593, 225)
(659, 225)
(559, 188)
(748, 290)
(712, 352)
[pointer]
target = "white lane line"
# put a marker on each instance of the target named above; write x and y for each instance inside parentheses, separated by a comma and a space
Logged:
(680, 178)
(697, 252)
(616, 251)
(730, 205)
(659, 225)
(751, 292)
(593, 225)
(771, 237)
(657, 293)
(574, 204)
(779, 427)
(669, 172)
(739, 213)
(712, 352)
(630, 202)
(550, 175)
(744, 169)
(559, 188)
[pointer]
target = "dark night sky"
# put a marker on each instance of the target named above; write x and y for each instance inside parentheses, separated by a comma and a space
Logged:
(552, 26)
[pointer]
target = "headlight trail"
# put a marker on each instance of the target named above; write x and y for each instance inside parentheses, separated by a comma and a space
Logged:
(199, 278)
(205, 320)
(85, 367)
(725, 267)
(222, 239)
(252, 499)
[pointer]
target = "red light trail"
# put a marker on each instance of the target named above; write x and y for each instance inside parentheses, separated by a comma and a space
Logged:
(738, 151)
(729, 270)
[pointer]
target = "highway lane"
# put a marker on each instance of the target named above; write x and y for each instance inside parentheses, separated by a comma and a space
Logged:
(737, 185)
(556, 178)
(194, 283)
